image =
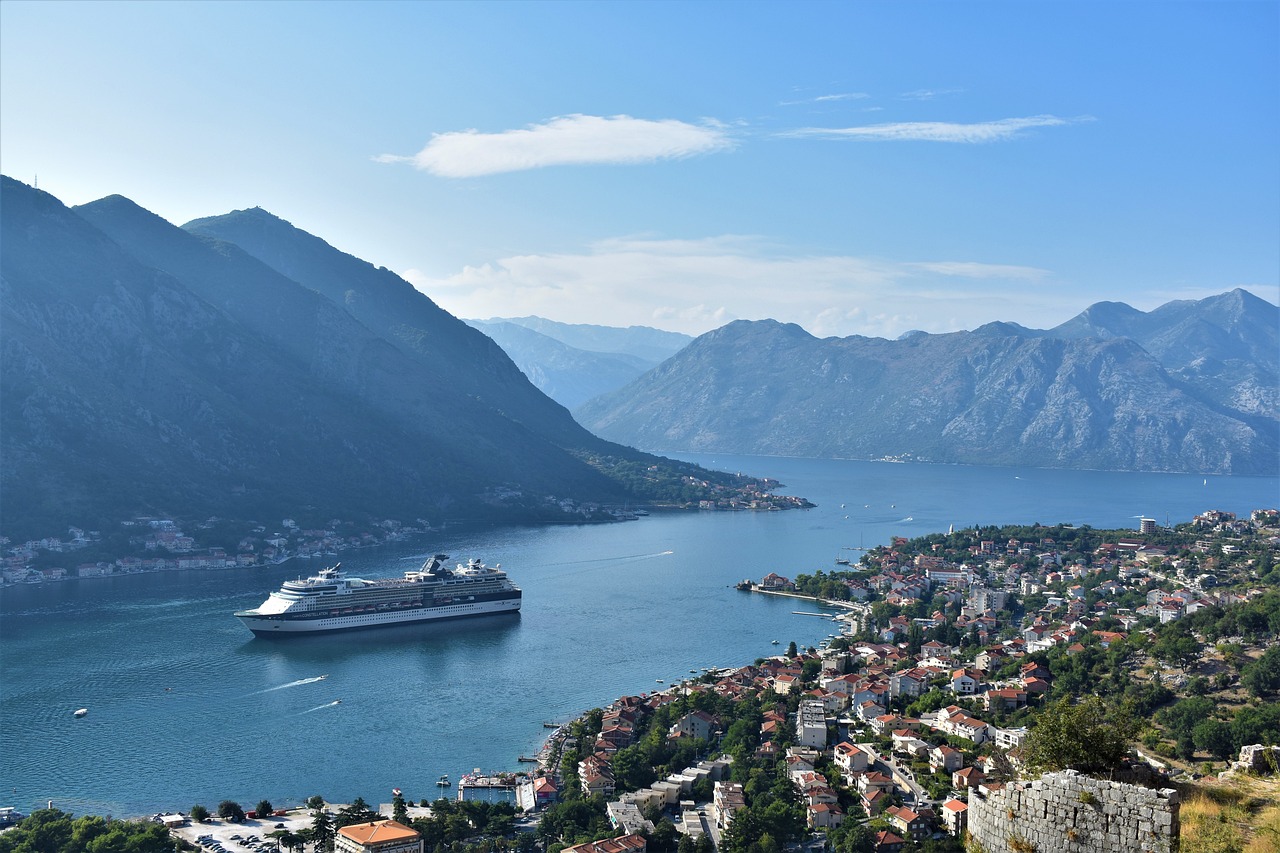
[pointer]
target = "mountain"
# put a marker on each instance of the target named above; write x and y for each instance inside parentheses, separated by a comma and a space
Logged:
(1000, 395)
(148, 369)
(642, 342)
(1226, 347)
(454, 353)
(570, 374)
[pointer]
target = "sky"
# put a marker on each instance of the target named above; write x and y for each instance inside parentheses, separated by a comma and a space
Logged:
(856, 168)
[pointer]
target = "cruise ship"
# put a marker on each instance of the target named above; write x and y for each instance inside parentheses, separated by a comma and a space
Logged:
(331, 601)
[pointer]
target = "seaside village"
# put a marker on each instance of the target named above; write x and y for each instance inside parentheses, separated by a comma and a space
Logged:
(845, 721)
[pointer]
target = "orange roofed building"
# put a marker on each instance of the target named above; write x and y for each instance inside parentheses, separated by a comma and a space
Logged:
(623, 844)
(379, 836)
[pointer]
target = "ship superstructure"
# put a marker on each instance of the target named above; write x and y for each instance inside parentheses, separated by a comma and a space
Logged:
(332, 601)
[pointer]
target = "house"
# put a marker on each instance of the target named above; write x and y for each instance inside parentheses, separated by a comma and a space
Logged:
(962, 725)
(696, 724)
(887, 842)
(1008, 739)
(798, 764)
(906, 742)
(824, 816)
(967, 777)
(849, 758)
(727, 800)
(811, 724)
(906, 683)
(623, 844)
(964, 682)
(378, 836)
(908, 822)
(1035, 685)
(1005, 699)
(774, 582)
(874, 801)
(886, 723)
(955, 816)
(544, 792)
(945, 759)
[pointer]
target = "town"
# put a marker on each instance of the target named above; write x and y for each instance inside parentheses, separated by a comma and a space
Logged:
(156, 544)
(1014, 688)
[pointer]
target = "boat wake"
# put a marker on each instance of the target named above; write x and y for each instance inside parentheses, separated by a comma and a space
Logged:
(322, 707)
(298, 683)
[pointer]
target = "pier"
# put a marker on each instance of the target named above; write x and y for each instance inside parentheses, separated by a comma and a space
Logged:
(490, 786)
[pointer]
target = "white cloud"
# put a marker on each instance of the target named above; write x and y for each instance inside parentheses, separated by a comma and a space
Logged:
(566, 140)
(936, 131)
(694, 286)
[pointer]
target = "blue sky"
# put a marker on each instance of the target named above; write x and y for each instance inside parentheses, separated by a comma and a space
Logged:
(857, 168)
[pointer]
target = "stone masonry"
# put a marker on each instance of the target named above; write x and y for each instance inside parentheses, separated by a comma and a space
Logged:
(1070, 813)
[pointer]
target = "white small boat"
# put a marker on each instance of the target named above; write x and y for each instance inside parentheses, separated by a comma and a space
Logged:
(80, 712)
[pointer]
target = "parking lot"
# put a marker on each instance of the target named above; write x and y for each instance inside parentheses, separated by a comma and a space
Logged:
(248, 836)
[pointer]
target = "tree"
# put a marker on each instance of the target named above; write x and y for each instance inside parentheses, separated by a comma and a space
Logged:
(264, 808)
(1087, 737)
(57, 832)
(791, 649)
(1214, 737)
(230, 810)
(322, 830)
(199, 813)
(315, 801)
(357, 812)
(1176, 645)
(1262, 677)
(399, 809)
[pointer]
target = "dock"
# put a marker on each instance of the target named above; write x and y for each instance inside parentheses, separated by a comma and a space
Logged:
(484, 786)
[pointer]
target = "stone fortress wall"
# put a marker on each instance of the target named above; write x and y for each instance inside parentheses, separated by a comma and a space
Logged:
(1070, 813)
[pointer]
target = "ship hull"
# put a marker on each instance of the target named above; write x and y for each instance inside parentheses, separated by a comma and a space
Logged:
(280, 626)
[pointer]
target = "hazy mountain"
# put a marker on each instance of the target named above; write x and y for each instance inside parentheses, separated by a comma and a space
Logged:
(452, 351)
(566, 374)
(1000, 395)
(150, 369)
(645, 343)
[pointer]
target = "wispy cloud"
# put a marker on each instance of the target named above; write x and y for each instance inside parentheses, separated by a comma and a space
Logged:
(843, 96)
(970, 269)
(697, 285)
(928, 94)
(826, 99)
(935, 131)
(565, 140)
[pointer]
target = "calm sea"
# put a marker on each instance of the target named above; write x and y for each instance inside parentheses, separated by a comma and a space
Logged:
(185, 706)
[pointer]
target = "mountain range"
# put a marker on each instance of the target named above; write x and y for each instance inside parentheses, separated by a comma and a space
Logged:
(1190, 386)
(242, 368)
(572, 363)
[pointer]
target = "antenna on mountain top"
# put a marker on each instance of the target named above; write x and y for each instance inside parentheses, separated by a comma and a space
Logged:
(35, 184)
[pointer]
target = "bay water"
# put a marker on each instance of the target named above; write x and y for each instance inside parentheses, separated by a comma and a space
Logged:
(186, 707)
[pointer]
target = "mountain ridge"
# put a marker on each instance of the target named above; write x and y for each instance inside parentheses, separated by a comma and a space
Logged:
(149, 369)
(1001, 394)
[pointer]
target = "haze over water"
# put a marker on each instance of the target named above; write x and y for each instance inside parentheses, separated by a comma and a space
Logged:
(185, 706)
